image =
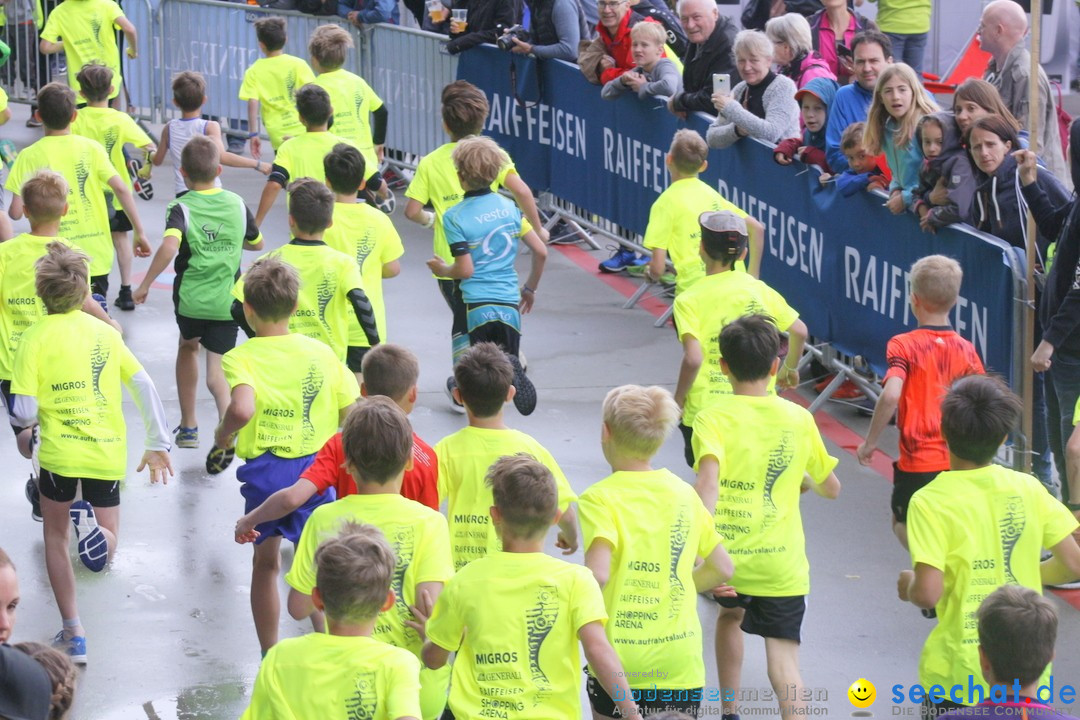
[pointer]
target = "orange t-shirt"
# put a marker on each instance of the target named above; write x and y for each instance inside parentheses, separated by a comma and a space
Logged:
(928, 360)
(420, 482)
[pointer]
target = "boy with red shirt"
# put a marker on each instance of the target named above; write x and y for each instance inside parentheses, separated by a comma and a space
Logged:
(923, 364)
(389, 370)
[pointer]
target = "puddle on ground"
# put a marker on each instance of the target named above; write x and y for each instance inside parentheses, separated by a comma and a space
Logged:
(200, 702)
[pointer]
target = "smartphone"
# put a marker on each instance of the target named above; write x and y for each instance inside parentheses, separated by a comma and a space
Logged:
(721, 83)
(843, 51)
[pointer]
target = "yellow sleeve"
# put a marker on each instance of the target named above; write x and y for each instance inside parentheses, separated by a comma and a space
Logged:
(686, 318)
(1058, 522)
(129, 364)
(3, 100)
(403, 679)
(249, 86)
(726, 204)
(133, 133)
(372, 97)
(301, 576)
(51, 32)
(25, 369)
(238, 288)
(236, 370)
(1076, 410)
(927, 538)
(304, 74)
(418, 188)
(707, 441)
(267, 698)
(820, 462)
(658, 231)
(445, 627)
(596, 520)
(102, 166)
(566, 494)
(442, 484)
(709, 538)
(432, 561)
(586, 600)
(348, 390)
(391, 246)
(16, 175)
(778, 309)
(505, 172)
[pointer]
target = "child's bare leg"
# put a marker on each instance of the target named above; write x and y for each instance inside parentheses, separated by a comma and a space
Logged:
(782, 656)
(187, 380)
(56, 527)
(124, 254)
(216, 383)
(265, 603)
(108, 519)
(729, 656)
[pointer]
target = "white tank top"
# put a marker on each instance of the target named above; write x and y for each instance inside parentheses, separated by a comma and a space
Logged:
(180, 131)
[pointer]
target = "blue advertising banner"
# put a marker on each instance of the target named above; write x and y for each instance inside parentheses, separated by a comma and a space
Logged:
(841, 262)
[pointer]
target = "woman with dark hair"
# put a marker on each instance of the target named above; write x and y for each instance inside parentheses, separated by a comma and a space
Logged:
(832, 29)
(976, 98)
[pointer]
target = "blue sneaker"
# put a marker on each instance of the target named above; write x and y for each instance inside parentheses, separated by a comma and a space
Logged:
(187, 437)
(93, 547)
(74, 647)
(621, 259)
(101, 301)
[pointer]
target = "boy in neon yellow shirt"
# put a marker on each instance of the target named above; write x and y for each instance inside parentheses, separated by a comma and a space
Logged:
(673, 220)
(89, 173)
(86, 31)
(359, 114)
(346, 671)
(978, 526)
(332, 297)
(436, 183)
(270, 86)
(754, 450)
(68, 371)
(378, 444)
(289, 395)
(113, 129)
(302, 155)
(643, 531)
(45, 200)
(363, 232)
(484, 384)
(722, 296)
(515, 617)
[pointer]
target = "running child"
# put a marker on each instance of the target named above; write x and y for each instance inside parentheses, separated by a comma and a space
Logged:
(352, 670)
(377, 441)
(392, 371)
(89, 173)
(775, 451)
(516, 617)
(644, 531)
(484, 383)
(289, 395)
(85, 31)
(206, 230)
(362, 232)
(482, 232)
(68, 371)
(270, 85)
(113, 129)
(722, 296)
(923, 364)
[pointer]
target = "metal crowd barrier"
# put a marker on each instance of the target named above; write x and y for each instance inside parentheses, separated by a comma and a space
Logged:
(140, 95)
(26, 69)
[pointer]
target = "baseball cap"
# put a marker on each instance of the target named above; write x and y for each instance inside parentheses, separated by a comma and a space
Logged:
(723, 232)
(25, 688)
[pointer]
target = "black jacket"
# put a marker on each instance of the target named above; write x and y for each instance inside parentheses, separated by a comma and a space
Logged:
(715, 55)
(954, 165)
(659, 11)
(485, 17)
(1059, 310)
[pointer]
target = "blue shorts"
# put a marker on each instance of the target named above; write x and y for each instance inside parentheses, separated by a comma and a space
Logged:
(263, 476)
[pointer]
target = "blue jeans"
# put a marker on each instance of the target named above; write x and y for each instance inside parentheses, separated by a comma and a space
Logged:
(909, 49)
(1062, 392)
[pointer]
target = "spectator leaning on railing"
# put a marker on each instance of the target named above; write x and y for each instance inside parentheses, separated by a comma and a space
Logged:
(369, 12)
(556, 28)
(482, 24)
(609, 55)
(762, 106)
(711, 39)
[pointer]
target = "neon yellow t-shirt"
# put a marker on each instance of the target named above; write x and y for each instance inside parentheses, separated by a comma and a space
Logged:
(707, 308)
(19, 304)
(464, 459)
(367, 234)
(87, 169)
(513, 619)
(74, 364)
(113, 129)
(421, 545)
(673, 226)
(88, 29)
(3, 100)
(657, 527)
(332, 677)
(353, 101)
(764, 446)
(273, 81)
(436, 182)
(324, 311)
(300, 389)
(302, 155)
(982, 528)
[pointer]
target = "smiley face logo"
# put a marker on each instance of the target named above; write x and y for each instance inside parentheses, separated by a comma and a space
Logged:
(862, 693)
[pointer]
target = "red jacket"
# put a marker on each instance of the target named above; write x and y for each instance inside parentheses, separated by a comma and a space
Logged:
(619, 46)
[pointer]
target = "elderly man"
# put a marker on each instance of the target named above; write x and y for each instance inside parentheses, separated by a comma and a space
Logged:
(872, 52)
(1001, 33)
(711, 40)
(608, 56)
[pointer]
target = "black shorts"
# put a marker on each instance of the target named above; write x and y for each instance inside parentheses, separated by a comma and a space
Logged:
(354, 356)
(688, 443)
(649, 702)
(9, 403)
(120, 222)
(99, 493)
(502, 334)
(374, 182)
(770, 617)
(451, 292)
(217, 336)
(99, 285)
(904, 485)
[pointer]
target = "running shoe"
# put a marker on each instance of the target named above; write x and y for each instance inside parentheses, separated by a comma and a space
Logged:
(621, 258)
(74, 647)
(525, 397)
(124, 301)
(388, 203)
(218, 459)
(93, 547)
(142, 185)
(454, 404)
(187, 437)
(34, 496)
